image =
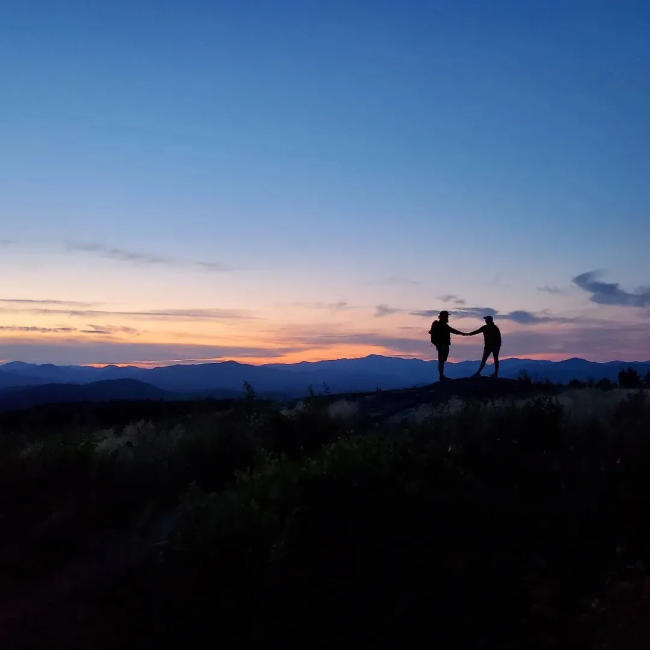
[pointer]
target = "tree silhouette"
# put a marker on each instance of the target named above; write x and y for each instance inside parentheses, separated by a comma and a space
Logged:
(629, 378)
(249, 392)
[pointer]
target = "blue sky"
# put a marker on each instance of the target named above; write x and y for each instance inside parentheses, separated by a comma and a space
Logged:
(282, 158)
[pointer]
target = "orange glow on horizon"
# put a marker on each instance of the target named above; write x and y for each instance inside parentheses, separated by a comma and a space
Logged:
(330, 355)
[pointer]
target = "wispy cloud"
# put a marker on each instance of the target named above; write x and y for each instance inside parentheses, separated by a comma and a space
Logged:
(553, 290)
(336, 339)
(386, 310)
(517, 316)
(452, 297)
(36, 329)
(167, 314)
(109, 330)
(104, 330)
(594, 341)
(100, 351)
(216, 267)
(141, 257)
(193, 314)
(610, 293)
(463, 312)
(339, 305)
(121, 254)
(591, 339)
(71, 303)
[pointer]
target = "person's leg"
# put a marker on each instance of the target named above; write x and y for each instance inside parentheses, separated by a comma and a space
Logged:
(443, 353)
(495, 354)
(486, 353)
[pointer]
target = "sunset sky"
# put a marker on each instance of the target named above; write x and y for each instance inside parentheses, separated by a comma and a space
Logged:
(283, 181)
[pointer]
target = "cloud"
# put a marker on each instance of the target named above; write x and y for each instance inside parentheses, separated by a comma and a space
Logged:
(610, 293)
(464, 312)
(332, 335)
(109, 330)
(474, 312)
(528, 318)
(385, 310)
(551, 289)
(167, 314)
(121, 254)
(191, 314)
(36, 329)
(452, 297)
(425, 313)
(91, 329)
(596, 341)
(517, 316)
(83, 351)
(335, 339)
(139, 257)
(72, 303)
(605, 342)
(340, 305)
(214, 266)
(5, 242)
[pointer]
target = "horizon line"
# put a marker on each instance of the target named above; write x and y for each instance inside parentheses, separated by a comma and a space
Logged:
(187, 362)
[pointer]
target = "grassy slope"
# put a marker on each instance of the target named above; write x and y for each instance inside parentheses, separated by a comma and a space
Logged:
(363, 521)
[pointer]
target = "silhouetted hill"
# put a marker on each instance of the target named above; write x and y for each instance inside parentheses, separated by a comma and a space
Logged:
(9, 379)
(287, 380)
(396, 405)
(365, 516)
(121, 389)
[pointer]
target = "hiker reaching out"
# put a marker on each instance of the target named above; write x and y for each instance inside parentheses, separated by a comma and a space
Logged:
(491, 344)
(441, 333)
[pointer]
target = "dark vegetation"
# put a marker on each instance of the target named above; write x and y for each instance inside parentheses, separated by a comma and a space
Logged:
(512, 519)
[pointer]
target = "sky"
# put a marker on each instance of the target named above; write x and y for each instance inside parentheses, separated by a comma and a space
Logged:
(278, 181)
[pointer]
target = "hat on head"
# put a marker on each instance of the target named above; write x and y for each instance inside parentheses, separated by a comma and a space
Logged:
(444, 312)
(489, 319)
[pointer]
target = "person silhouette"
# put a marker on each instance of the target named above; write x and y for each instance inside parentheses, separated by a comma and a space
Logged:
(491, 344)
(441, 333)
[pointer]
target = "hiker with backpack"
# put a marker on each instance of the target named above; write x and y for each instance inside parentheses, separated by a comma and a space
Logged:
(441, 333)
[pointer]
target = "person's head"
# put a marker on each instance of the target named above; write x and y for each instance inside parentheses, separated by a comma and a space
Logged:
(489, 320)
(444, 316)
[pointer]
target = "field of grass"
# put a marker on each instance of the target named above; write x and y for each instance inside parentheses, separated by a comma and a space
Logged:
(495, 523)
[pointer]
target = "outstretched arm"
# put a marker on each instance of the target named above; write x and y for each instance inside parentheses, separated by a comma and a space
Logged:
(453, 331)
(478, 331)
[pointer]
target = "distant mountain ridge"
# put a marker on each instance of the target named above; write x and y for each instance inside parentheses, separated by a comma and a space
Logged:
(21, 397)
(292, 380)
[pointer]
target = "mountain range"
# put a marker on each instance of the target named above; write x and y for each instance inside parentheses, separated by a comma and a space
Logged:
(25, 384)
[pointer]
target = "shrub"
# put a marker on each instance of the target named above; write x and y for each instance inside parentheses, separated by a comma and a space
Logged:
(605, 384)
(629, 378)
(313, 529)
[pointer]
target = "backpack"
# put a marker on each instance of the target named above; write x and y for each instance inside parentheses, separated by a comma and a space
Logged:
(436, 333)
